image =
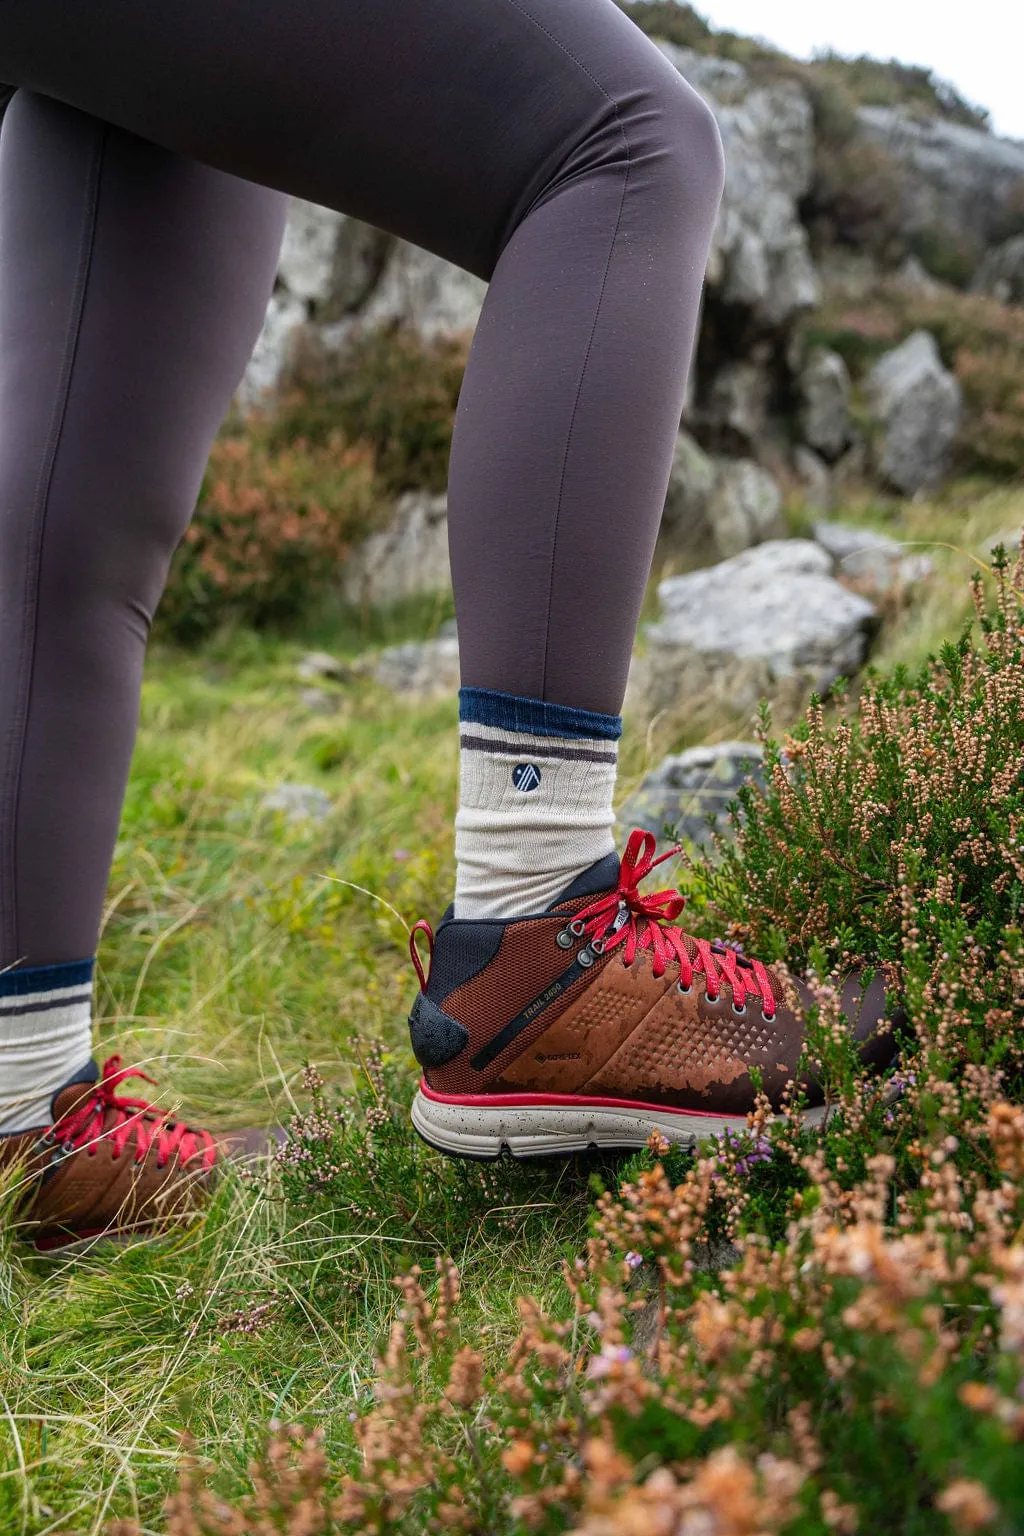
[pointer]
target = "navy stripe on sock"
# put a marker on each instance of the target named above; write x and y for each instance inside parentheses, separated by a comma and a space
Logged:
(7, 1012)
(46, 978)
(510, 749)
(508, 712)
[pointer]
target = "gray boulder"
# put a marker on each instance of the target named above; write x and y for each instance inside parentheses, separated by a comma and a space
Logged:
(824, 390)
(716, 507)
(283, 323)
(770, 622)
(691, 481)
(298, 803)
(1001, 273)
(736, 413)
(408, 558)
(815, 477)
(745, 507)
(422, 668)
(760, 257)
(918, 404)
(956, 180)
(687, 791)
(869, 561)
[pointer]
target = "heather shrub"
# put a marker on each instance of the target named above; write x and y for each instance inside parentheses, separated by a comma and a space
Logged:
(387, 387)
(794, 1332)
(271, 530)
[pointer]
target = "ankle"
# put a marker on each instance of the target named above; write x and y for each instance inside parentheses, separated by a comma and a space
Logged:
(535, 809)
(45, 1035)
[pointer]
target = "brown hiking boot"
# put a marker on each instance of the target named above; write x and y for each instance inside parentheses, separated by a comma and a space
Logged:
(599, 1021)
(110, 1167)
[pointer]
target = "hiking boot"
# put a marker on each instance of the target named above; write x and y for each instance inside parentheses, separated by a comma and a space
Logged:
(599, 1021)
(111, 1167)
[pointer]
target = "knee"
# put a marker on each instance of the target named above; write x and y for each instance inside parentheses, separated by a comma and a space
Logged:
(675, 134)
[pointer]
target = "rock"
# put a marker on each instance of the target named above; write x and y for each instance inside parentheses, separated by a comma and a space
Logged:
(956, 181)
(317, 664)
(913, 277)
(319, 702)
(421, 667)
(744, 508)
(918, 402)
(676, 800)
(737, 410)
(760, 257)
(307, 262)
(717, 507)
(406, 559)
(824, 390)
(691, 481)
(815, 477)
(770, 622)
(871, 562)
(426, 291)
(282, 323)
(1001, 274)
(298, 802)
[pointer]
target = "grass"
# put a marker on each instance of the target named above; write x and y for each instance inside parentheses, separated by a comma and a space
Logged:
(236, 948)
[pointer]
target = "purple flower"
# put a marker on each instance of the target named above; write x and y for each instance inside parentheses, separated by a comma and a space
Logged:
(634, 1260)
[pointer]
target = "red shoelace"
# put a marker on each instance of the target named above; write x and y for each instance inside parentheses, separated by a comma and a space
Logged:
(103, 1115)
(625, 916)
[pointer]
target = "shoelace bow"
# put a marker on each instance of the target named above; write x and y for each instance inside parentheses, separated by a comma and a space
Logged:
(88, 1123)
(625, 916)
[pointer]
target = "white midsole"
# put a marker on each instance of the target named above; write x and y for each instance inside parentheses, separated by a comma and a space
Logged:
(539, 1130)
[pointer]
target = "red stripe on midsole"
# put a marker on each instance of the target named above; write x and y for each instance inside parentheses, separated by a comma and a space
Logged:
(563, 1101)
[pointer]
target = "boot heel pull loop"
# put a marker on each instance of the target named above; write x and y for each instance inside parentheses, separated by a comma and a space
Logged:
(421, 927)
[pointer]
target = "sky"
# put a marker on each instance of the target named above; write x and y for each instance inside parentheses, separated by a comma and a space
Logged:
(977, 44)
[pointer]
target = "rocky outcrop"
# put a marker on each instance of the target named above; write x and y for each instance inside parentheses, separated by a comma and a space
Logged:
(1001, 273)
(760, 257)
(771, 622)
(956, 180)
(824, 390)
(406, 559)
(918, 404)
(717, 507)
(687, 795)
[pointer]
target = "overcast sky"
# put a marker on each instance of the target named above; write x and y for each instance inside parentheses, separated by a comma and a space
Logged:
(978, 44)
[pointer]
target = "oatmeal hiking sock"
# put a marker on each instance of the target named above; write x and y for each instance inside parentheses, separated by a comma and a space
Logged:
(45, 1035)
(536, 783)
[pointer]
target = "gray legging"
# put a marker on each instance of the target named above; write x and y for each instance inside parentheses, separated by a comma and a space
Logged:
(546, 145)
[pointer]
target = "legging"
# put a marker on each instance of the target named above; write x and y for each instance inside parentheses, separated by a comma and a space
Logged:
(545, 145)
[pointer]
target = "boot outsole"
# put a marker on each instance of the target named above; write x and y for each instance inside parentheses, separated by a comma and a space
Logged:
(484, 1132)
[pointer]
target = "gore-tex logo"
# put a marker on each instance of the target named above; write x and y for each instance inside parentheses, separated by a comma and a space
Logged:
(557, 1056)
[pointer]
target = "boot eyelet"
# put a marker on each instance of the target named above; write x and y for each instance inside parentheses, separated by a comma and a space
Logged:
(67, 1147)
(739, 1009)
(585, 958)
(564, 939)
(685, 991)
(576, 928)
(712, 997)
(769, 1018)
(597, 945)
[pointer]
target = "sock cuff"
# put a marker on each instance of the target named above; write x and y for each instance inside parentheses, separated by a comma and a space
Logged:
(537, 717)
(46, 978)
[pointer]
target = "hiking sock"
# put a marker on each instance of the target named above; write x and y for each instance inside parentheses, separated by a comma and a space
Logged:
(45, 1035)
(536, 782)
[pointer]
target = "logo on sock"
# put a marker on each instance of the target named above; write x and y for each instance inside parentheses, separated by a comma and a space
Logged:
(526, 777)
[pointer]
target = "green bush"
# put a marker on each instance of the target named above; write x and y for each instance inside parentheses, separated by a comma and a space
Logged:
(271, 530)
(388, 387)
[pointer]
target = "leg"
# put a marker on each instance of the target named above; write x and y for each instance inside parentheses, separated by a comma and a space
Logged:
(127, 314)
(544, 144)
